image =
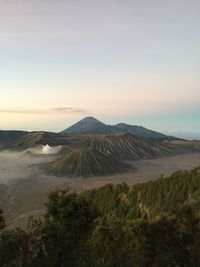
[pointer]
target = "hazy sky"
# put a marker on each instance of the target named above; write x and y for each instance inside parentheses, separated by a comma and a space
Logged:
(136, 61)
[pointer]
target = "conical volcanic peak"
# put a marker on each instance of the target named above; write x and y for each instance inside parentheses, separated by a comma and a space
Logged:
(91, 125)
(90, 119)
(86, 162)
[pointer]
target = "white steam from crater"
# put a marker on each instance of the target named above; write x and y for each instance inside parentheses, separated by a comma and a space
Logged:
(44, 150)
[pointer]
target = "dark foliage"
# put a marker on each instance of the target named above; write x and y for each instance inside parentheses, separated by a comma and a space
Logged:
(149, 225)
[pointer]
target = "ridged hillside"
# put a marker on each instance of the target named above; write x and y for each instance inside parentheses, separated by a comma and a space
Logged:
(7, 138)
(126, 146)
(129, 147)
(41, 138)
(86, 162)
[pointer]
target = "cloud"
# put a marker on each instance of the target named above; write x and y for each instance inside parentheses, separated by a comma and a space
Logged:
(43, 111)
(70, 109)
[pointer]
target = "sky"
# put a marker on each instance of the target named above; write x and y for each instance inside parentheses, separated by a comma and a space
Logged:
(133, 61)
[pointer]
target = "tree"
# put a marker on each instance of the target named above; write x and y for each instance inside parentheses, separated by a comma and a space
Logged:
(13, 248)
(2, 220)
(64, 229)
(108, 243)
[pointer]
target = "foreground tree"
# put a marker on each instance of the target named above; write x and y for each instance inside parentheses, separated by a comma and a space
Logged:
(2, 220)
(108, 244)
(65, 229)
(81, 231)
(13, 248)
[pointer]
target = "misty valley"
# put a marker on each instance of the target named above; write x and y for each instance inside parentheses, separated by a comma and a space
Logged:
(77, 197)
(87, 155)
(99, 195)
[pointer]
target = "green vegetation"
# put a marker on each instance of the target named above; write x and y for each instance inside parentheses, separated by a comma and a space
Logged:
(2, 221)
(86, 162)
(163, 196)
(155, 224)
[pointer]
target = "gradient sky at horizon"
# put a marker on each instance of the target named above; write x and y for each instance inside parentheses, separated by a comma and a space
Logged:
(118, 60)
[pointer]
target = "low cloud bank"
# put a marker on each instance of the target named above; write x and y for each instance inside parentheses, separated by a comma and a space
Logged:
(19, 165)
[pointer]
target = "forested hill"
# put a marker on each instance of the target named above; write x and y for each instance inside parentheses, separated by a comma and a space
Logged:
(155, 224)
(150, 199)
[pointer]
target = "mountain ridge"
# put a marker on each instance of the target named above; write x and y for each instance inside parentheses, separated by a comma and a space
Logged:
(92, 125)
(144, 132)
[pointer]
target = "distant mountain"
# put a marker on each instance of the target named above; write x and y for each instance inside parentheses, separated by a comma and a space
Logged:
(21, 140)
(7, 138)
(91, 125)
(94, 126)
(130, 147)
(143, 132)
(86, 162)
(123, 146)
(41, 138)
